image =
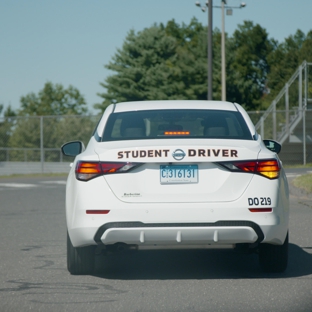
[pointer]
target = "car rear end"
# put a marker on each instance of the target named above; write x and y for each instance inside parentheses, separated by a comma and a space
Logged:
(176, 174)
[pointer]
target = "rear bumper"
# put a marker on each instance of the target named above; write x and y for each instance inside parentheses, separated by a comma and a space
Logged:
(142, 234)
(143, 224)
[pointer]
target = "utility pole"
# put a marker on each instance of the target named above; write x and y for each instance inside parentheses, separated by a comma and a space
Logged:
(223, 82)
(210, 56)
(209, 46)
(229, 10)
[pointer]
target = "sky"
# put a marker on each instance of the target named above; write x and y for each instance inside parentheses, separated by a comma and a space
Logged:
(69, 41)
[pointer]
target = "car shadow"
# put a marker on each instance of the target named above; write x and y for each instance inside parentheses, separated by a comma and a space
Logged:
(196, 264)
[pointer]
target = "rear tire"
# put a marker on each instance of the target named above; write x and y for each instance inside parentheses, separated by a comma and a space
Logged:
(80, 260)
(274, 258)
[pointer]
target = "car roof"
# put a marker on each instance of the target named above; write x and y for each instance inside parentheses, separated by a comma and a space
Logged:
(173, 104)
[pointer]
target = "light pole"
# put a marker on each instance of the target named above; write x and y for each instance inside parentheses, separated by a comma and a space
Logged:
(210, 55)
(229, 11)
(209, 47)
(223, 74)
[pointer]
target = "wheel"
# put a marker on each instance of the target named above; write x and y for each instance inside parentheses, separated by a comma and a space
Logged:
(80, 260)
(274, 258)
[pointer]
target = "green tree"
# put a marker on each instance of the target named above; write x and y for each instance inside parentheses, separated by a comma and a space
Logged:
(191, 58)
(306, 48)
(249, 66)
(53, 100)
(285, 59)
(8, 112)
(142, 68)
(158, 63)
(170, 62)
(6, 126)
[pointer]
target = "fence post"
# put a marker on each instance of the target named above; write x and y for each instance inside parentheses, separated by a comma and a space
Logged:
(287, 109)
(304, 115)
(41, 145)
(274, 120)
(262, 127)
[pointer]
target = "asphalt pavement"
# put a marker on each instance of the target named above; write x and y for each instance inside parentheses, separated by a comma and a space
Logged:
(33, 274)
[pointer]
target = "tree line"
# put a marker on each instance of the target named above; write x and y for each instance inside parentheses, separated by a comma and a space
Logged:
(169, 61)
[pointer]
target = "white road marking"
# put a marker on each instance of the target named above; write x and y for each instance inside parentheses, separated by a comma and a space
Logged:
(4, 186)
(54, 182)
(292, 175)
(17, 185)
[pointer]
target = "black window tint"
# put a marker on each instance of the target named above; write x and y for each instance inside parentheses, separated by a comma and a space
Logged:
(164, 124)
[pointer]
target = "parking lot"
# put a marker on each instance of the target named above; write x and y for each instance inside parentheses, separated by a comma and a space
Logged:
(33, 274)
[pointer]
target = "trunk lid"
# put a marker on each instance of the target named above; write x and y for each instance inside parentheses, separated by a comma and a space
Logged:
(176, 171)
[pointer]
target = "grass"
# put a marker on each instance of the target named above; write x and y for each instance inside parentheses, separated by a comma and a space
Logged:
(309, 165)
(304, 182)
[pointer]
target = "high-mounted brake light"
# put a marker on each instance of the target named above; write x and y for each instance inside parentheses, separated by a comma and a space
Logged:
(87, 170)
(177, 132)
(269, 168)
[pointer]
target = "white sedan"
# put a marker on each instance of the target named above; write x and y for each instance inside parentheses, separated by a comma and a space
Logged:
(176, 174)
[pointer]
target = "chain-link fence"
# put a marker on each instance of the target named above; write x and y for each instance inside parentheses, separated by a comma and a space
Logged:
(38, 139)
(292, 128)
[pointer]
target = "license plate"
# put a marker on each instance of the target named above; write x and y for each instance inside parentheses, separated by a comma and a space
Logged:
(179, 174)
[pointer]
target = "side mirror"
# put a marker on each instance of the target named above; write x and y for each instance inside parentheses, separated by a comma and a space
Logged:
(72, 148)
(272, 146)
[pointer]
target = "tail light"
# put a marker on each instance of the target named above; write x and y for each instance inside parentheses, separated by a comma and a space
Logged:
(87, 170)
(269, 168)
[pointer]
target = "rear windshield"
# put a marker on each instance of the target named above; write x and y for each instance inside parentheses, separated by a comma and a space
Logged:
(168, 124)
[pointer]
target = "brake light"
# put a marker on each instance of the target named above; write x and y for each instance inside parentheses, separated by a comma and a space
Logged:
(177, 133)
(249, 166)
(87, 170)
(269, 168)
